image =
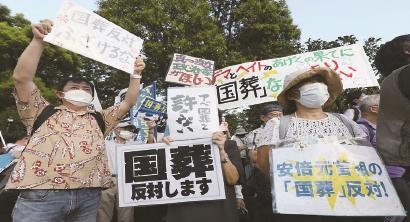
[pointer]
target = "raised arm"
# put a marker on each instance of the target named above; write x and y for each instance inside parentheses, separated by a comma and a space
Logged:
(26, 67)
(133, 88)
(231, 173)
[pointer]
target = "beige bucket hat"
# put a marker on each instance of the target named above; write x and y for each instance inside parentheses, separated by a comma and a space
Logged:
(330, 78)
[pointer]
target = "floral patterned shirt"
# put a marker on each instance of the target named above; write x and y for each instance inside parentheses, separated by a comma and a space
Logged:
(66, 152)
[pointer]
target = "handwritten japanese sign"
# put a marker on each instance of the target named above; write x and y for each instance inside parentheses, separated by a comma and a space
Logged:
(161, 174)
(333, 179)
(258, 82)
(187, 70)
(192, 112)
(86, 33)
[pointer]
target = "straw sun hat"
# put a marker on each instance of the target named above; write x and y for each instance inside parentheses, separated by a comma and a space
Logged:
(330, 78)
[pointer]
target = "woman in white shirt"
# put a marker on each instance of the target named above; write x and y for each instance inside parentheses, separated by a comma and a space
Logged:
(306, 93)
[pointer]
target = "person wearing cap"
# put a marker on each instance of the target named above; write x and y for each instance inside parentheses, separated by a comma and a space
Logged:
(239, 138)
(267, 112)
(124, 132)
(304, 96)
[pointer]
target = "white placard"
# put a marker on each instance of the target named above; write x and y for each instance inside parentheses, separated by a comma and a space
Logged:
(333, 179)
(192, 112)
(86, 33)
(188, 70)
(184, 171)
(262, 81)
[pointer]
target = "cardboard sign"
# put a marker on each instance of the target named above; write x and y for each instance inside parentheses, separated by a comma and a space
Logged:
(188, 70)
(333, 179)
(86, 33)
(192, 112)
(164, 174)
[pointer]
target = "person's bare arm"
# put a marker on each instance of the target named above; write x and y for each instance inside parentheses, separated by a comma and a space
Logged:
(151, 126)
(133, 88)
(26, 67)
(229, 169)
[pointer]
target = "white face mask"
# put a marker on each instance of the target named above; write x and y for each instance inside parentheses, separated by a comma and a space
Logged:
(78, 97)
(313, 95)
(127, 135)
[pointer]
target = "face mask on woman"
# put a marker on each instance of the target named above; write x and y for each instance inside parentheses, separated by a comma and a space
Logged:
(78, 97)
(313, 95)
(127, 135)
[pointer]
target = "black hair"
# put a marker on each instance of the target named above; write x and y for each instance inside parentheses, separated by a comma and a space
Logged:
(353, 95)
(64, 82)
(391, 55)
(13, 135)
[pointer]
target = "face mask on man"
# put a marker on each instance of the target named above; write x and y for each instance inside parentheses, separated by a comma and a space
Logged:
(313, 95)
(127, 135)
(78, 97)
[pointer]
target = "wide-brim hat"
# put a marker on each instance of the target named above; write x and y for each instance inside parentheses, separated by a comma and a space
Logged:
(330, 78)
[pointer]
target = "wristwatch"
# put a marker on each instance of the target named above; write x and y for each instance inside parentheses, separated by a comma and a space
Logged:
(224, 159)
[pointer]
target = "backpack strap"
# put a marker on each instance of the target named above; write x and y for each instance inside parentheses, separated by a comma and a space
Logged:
(284, 126)
(47, 112)
(100, 120)
(356, 113)
(345, 122)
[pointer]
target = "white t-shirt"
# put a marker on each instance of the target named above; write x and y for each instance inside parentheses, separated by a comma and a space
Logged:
(110, 147)
(13, 147)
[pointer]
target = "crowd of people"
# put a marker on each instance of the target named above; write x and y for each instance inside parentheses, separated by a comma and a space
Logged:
(65, 169)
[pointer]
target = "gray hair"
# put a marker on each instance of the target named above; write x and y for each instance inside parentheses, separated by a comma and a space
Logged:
(368, 101)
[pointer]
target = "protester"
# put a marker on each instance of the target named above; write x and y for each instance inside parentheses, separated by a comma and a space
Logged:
(268, 112)
(354, 99)
(369, 108)
(217, 210)
(17, 141)
(393, 124)
(243, 213)
(305, 94)
(239, 138)
(125, 132)
(64, 166)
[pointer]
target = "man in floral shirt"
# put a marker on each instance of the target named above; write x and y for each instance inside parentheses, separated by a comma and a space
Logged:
(64, 167)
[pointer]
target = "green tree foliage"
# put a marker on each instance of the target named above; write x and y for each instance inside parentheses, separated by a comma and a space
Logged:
(167, 27)
(15, 35)
(228, 32)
